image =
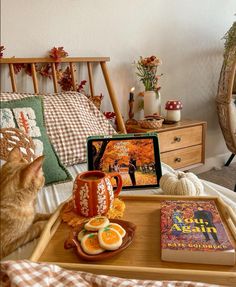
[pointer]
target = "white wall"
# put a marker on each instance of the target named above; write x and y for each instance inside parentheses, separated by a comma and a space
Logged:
(185, 34)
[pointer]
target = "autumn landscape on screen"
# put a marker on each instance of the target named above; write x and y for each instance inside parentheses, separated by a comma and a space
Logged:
(133, 159)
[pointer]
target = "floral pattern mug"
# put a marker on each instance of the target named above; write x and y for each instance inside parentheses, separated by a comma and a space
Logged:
(93, 192)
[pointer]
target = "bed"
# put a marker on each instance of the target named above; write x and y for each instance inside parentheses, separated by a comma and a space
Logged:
(51, 196)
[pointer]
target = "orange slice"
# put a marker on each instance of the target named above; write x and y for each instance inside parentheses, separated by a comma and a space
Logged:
(117, 227)
(90, 244)
(109, 238)
(96, 223)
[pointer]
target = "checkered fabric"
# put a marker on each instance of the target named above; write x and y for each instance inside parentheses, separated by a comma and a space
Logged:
(24, 273)
(70, 118)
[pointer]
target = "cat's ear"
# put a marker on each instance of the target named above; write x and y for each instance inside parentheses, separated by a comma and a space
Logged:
(33, 170)
(14, 155)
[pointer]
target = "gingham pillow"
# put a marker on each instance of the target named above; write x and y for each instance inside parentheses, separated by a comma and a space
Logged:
(70, 118)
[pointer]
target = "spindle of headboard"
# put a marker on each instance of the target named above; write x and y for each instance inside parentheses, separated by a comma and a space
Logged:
(71, 61)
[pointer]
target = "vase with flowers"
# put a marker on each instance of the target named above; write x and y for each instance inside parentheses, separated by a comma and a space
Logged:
(147, 73)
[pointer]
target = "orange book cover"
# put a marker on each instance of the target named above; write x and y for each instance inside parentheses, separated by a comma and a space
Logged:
(193, 232)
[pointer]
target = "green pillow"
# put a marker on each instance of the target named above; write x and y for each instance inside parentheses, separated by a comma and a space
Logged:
(27, 115)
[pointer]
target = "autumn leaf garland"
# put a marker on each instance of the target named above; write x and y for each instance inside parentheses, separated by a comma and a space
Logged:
(45, 70)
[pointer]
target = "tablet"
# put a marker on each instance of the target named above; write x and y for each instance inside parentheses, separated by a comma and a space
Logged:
(135, 156)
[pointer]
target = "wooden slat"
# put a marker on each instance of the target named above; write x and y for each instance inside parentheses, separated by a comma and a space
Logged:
(120, 122)
(51, 60)
(34, 77)
(73, 76)
(54, 77)
(91, 82)
(12, 76)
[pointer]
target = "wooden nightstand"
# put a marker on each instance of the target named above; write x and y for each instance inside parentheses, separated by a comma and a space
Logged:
(182, 145)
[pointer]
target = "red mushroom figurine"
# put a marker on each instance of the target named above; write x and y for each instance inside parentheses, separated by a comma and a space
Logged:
(173, 108)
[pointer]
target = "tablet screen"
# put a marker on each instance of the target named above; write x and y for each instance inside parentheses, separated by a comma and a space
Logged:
(136, 160)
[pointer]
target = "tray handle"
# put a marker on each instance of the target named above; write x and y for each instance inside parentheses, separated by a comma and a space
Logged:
(229, 215)
(47, 233)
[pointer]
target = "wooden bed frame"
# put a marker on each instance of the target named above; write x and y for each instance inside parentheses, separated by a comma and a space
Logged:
(71, 61)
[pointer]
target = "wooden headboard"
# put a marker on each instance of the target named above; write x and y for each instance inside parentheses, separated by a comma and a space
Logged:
(90, 61)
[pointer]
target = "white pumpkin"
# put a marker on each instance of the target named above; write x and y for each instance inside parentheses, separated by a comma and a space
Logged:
(181, 183)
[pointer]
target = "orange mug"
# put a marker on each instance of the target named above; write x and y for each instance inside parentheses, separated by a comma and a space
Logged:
(93, 192)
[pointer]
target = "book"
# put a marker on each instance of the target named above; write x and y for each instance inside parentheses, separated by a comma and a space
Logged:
(193, 232)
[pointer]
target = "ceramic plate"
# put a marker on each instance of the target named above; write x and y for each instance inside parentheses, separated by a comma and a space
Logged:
(73, 242)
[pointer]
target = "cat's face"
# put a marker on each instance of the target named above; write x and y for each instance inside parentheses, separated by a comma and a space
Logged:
(19, 175)
(97, 100)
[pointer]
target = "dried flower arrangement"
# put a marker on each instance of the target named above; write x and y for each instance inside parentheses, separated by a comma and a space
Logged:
(147, 72)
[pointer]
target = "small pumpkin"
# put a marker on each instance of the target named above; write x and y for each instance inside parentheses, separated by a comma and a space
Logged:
(181, 183)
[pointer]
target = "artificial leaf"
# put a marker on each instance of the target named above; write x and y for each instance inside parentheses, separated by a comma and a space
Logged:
(58, 53)
(66, 80)
(2, 48)
(45, 71)
(80, 87)
(18, 67)
(28, 69)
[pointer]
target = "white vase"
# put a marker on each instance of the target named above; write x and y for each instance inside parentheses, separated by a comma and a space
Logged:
(152, 103)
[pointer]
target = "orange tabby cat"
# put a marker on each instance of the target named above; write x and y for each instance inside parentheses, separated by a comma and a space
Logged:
(20, 182)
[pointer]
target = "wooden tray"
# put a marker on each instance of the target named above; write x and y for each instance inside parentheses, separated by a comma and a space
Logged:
(141, 259)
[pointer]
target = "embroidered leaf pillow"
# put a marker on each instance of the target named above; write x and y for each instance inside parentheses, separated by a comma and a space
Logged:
(27, 115)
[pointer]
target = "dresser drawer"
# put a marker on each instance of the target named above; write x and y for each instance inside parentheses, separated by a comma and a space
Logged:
(183, 157)
(180, 138)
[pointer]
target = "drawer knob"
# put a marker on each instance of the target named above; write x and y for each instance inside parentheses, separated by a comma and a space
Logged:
(177, 159)
(177, 139)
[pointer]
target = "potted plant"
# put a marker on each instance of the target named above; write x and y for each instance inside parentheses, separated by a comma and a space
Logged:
(230, 49)
(147, 73)
(230, 41)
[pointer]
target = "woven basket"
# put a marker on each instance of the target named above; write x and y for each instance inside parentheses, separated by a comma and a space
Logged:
(151, 124)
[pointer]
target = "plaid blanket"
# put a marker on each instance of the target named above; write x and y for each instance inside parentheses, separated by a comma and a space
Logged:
(24, 273)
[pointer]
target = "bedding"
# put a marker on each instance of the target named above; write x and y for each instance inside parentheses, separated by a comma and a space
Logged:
(27, 274)
(27, 115)
(70, 118)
